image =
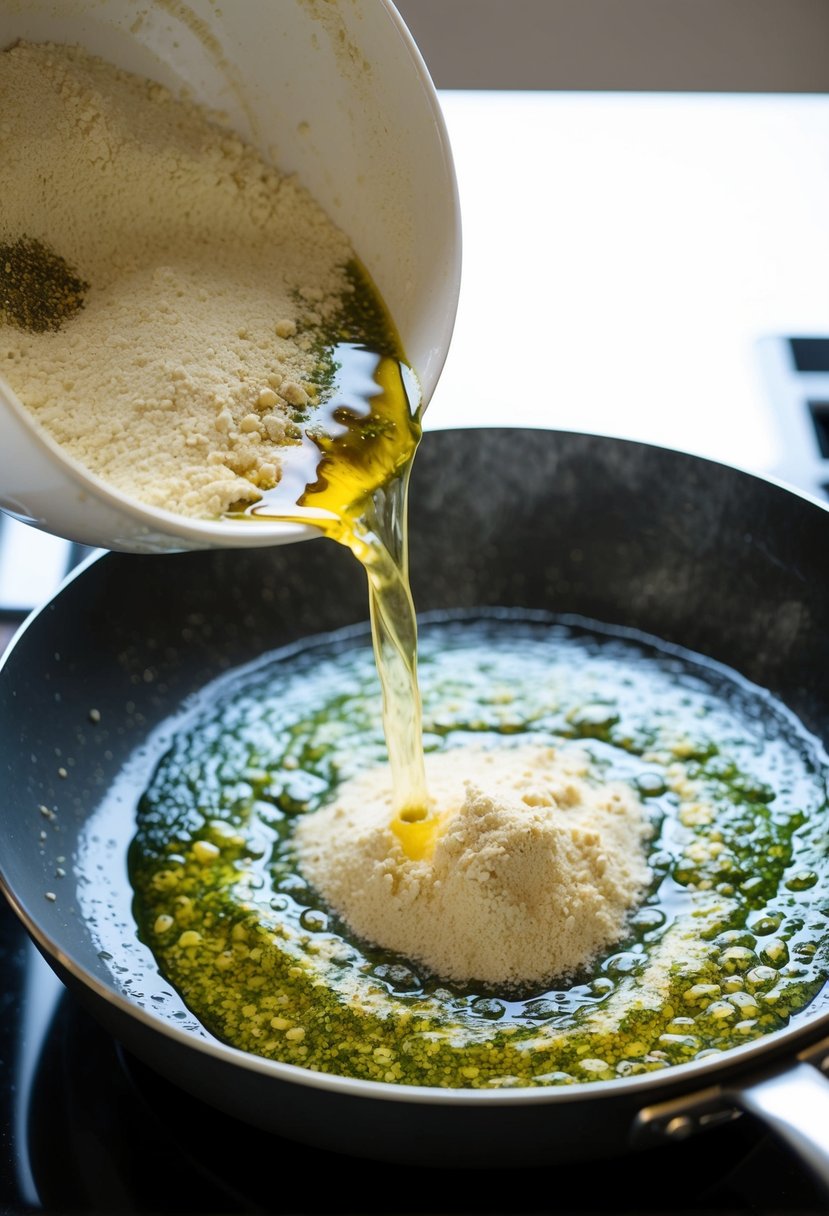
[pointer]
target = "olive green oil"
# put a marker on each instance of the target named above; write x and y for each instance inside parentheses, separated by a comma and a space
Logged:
(729, 943)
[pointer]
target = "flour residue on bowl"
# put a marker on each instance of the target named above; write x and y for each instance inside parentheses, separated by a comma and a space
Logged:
(200, 281)
(526, 869)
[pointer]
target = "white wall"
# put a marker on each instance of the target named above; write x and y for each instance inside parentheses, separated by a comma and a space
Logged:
(685, 45)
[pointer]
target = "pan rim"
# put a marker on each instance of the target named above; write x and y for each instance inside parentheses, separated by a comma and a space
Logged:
(778, 1047)
(710, 1073)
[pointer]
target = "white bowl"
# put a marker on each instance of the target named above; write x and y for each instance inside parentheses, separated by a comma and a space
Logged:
(341, 96)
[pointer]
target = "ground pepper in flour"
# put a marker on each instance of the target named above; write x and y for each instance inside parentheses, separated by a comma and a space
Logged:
(39, 291)
(206, 277)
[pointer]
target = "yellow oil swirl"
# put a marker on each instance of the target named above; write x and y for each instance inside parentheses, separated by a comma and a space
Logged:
(349, 477)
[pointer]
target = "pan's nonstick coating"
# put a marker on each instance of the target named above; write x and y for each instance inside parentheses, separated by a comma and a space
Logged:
(721, 562)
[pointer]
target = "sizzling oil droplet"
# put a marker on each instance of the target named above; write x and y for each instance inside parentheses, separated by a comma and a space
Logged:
(349, 477)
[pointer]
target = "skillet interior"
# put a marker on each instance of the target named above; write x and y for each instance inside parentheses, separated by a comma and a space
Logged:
(721, 562)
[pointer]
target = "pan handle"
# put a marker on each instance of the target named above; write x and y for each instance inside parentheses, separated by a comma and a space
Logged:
(794, 1103)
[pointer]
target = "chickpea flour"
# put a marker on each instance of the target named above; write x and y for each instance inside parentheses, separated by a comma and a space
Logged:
(725, 942)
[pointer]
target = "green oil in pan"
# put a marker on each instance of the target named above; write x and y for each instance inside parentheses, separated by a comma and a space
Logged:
(728, 944)
(729, 940)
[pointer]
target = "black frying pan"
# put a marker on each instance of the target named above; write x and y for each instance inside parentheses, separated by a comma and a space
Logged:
(724, 563)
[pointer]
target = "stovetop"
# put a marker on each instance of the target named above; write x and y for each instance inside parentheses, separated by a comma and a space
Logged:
(87, 1128)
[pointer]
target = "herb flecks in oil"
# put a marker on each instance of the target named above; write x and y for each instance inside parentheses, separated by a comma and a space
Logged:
(728, 945)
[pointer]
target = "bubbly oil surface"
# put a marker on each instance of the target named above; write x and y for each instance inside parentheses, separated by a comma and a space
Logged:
(729, 943)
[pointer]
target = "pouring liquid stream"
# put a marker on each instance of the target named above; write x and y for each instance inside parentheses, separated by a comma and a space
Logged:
(349, 477)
